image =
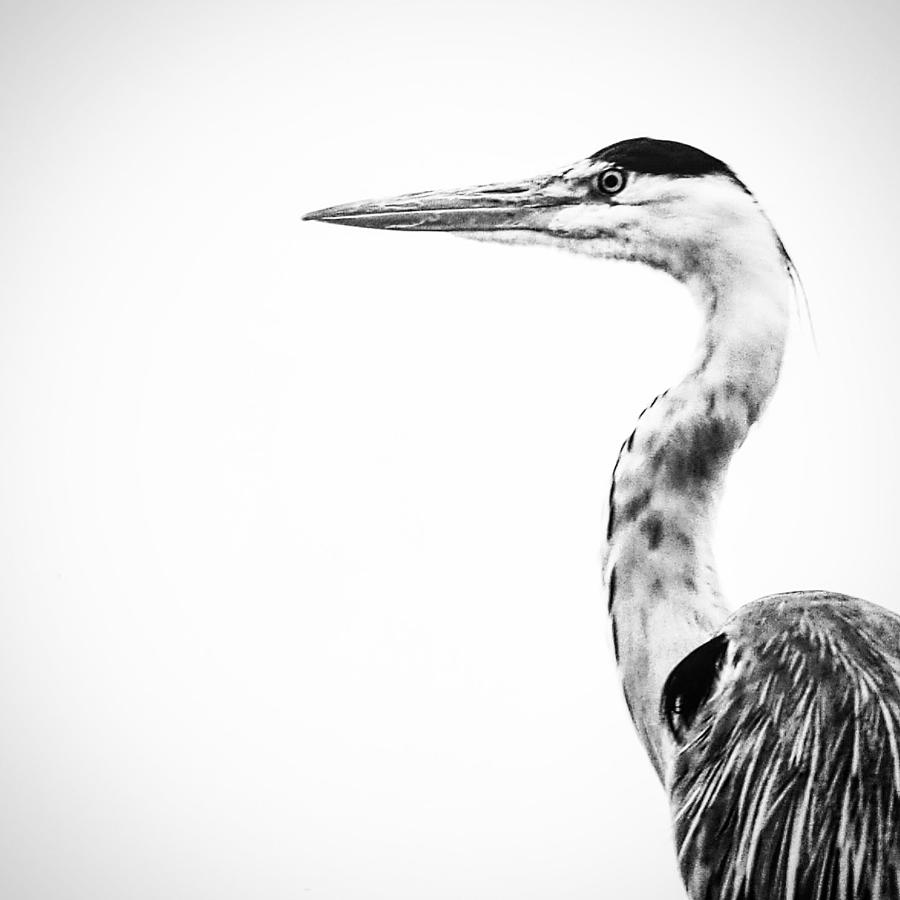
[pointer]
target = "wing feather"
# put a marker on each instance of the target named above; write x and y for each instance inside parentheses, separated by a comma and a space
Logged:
(786, 780)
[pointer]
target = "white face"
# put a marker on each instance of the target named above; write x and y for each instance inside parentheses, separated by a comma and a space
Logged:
(683, 225)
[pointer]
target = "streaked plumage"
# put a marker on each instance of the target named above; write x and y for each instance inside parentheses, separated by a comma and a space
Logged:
(775, 729)
(787, 781)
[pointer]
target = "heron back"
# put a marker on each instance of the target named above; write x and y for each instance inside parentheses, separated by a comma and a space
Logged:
(786, 777)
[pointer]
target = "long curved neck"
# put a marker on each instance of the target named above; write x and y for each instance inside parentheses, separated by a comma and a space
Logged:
(663, 591)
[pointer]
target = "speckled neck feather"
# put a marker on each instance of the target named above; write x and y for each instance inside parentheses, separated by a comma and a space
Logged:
(663, 591)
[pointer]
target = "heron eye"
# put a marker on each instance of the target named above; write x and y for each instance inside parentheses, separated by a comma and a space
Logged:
(610, 181)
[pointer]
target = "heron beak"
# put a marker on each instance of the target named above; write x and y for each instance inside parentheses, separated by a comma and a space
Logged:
(524, 205)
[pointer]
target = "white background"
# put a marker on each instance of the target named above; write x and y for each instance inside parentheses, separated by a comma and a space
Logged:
(300, 525)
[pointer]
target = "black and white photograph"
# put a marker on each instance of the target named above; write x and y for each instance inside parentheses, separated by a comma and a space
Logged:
(350, 555)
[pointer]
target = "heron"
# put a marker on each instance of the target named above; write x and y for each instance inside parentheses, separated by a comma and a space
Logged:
(774, 728)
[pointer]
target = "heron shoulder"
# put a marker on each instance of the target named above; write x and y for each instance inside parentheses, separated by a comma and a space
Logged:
(811, 620)
(786, 778)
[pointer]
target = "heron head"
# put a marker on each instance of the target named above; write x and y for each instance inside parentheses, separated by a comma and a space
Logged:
(662, 203)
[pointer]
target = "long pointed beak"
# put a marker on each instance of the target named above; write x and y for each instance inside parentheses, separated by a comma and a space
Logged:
(522, 205)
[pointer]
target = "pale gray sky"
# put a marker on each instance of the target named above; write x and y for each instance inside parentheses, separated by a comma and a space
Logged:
(300, 580)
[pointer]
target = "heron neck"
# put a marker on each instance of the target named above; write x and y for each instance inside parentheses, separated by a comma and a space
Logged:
(663, 591)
